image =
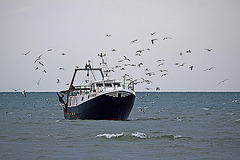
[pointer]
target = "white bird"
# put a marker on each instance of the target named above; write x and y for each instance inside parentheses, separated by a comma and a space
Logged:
(24, 93)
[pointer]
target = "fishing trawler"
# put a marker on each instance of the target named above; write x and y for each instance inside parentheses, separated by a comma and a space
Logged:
(104, 99)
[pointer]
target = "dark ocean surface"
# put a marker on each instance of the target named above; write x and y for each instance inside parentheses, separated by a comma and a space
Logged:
(172, 126)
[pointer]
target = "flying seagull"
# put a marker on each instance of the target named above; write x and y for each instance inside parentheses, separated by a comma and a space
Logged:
(101, 55)
(24, 93)
(160, 64)
(133, 41)
(189, 51)
(140, 51)
(153, 40)
(139, 65)
(164, 74)
(40, 63)
(222, 81)
(137, 54)
(163, 70)
(24, 54)
(49, 50)
(125, 58)
(181, 65)
(209, 69)
(39, 57)
(16, 89)
(160, 60)
(38, 82)
(191, 67)
(165, 38)
(58, 81)
(108, 35)
(208, 49)
(153, 33)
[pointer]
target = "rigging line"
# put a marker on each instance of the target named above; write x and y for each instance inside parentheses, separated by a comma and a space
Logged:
(93, 75)
(92, 70)
(83, 80)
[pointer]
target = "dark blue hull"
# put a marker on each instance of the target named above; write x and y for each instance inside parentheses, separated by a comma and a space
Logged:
(103, 107)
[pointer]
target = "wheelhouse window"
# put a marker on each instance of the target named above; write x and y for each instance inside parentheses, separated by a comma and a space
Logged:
(116, 84)
(108, 84)
(99, 85)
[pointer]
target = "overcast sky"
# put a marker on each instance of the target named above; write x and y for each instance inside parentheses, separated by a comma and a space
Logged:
(78, 29)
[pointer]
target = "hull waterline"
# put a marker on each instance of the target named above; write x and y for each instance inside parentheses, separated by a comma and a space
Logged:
(111, 106)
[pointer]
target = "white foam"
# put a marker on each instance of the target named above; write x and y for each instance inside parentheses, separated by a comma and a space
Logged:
(206, 109)
(177, 136)
(139, 135)
(238, 120)
(110, 135)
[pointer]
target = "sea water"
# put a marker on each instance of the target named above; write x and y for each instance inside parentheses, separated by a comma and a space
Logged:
(160, 126)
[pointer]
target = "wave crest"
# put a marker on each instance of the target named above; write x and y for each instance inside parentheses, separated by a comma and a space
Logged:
(110, 135)
(139, 135)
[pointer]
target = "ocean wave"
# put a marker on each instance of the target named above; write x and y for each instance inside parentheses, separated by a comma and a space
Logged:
(206, 109)
(172, 137)
(237, 121)
(124, 136)
(139, 135)
(110, 135)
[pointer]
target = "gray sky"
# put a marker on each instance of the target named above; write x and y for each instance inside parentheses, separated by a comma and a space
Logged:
(79, 28)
